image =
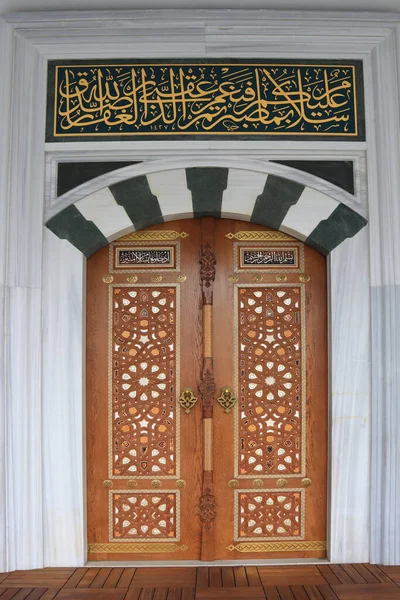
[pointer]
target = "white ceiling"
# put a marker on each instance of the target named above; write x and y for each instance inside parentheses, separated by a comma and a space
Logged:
(347, 5)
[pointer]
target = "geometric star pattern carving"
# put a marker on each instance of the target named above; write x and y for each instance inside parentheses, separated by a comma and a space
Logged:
(144, 381)
(269, 514)
(269, 323)
(144, 515)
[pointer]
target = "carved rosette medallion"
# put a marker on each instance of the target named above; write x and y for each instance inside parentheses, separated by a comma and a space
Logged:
(207, 508)
(207, 271)
(207, 389)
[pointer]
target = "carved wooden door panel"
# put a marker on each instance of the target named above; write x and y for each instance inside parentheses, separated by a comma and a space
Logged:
(144, 468)
(270, 348)
(232, 315)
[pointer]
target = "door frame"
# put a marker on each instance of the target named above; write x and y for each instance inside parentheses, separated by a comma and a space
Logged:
(363, 268)
(341, 283)
(342, 264)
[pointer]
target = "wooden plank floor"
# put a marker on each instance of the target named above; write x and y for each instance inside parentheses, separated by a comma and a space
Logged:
(308, 582)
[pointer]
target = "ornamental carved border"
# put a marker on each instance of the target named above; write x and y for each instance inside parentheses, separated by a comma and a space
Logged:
(207, 508)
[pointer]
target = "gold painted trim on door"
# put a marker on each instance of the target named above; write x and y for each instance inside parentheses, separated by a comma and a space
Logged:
(277, 546)
(136, 548)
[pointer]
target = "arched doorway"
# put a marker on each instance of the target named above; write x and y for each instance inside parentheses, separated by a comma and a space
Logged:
(233, 315)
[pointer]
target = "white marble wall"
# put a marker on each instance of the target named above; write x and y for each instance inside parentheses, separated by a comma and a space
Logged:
(63, 404)
(350, 443)
(41, 426)
(21, 233)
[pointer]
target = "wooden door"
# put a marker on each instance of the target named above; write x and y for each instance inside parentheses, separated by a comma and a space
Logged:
(144, 468)
(270, 348)
(216, 306)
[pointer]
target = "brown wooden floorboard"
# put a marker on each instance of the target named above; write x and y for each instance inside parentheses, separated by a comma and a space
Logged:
(215, 577)
(133, 593)
(88, 578)
(174, 594)
(327, 592)
(271, 593)
(202, 577)
(253, 576)
(126, 577)
(165, 577)
(49, 594)
(37, 593)
(313, 592)
(285, 592)
(367, 575)
(392, 572)
(160, 594)
(147, 594)
(240, 577)
(188, 593)
(379, 573)
(91, 593)
(299, 592)
(38, 578)
(328, 574)
(353, 574)
(341, 574)
(235, 593)
(9, 593)
(373, 591)
(113, 578)
(76, 577)
(23, 593)
(228, 578)
(286, 576)
(292, 582)
(101, 577)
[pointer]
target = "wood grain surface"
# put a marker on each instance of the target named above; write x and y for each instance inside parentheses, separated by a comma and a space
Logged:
(189, 331)
(196, 540)
(316, 393)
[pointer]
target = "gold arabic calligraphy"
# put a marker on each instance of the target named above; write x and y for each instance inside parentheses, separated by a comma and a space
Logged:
(205, 98)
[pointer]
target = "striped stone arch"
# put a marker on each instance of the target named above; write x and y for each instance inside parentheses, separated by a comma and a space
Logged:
(97, 212)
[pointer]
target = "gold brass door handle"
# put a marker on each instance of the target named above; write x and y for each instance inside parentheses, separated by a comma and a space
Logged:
(227, 399)
(187, 400)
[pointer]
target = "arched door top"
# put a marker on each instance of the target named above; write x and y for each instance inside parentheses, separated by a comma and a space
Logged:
(312, 213)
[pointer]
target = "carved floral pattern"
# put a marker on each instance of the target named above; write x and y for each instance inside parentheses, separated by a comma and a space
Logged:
(143, 381)
(207, 508)
(270, 415)
(144, 515)
(207, 389)
(269, 514)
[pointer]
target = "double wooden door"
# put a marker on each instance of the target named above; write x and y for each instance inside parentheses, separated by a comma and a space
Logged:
(206, 395)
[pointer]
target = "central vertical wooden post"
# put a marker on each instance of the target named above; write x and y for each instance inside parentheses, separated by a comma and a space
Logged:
(207, 389)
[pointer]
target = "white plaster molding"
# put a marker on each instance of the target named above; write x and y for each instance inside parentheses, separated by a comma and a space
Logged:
(350, 406)
(208, 160)
(6, 43)
(384, 184)
(120, 152)
(63, 403)
(22, 201)
(27, 41)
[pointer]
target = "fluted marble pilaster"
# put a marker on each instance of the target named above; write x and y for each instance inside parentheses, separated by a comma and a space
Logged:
(63, 404)
(350, 420)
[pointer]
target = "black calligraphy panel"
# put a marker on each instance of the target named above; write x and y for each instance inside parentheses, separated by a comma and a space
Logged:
(181, 98)
(268, 257)
(265, 257)
(131, 257)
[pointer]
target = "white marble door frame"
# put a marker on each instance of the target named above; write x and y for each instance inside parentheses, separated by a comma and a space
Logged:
(42, 277)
